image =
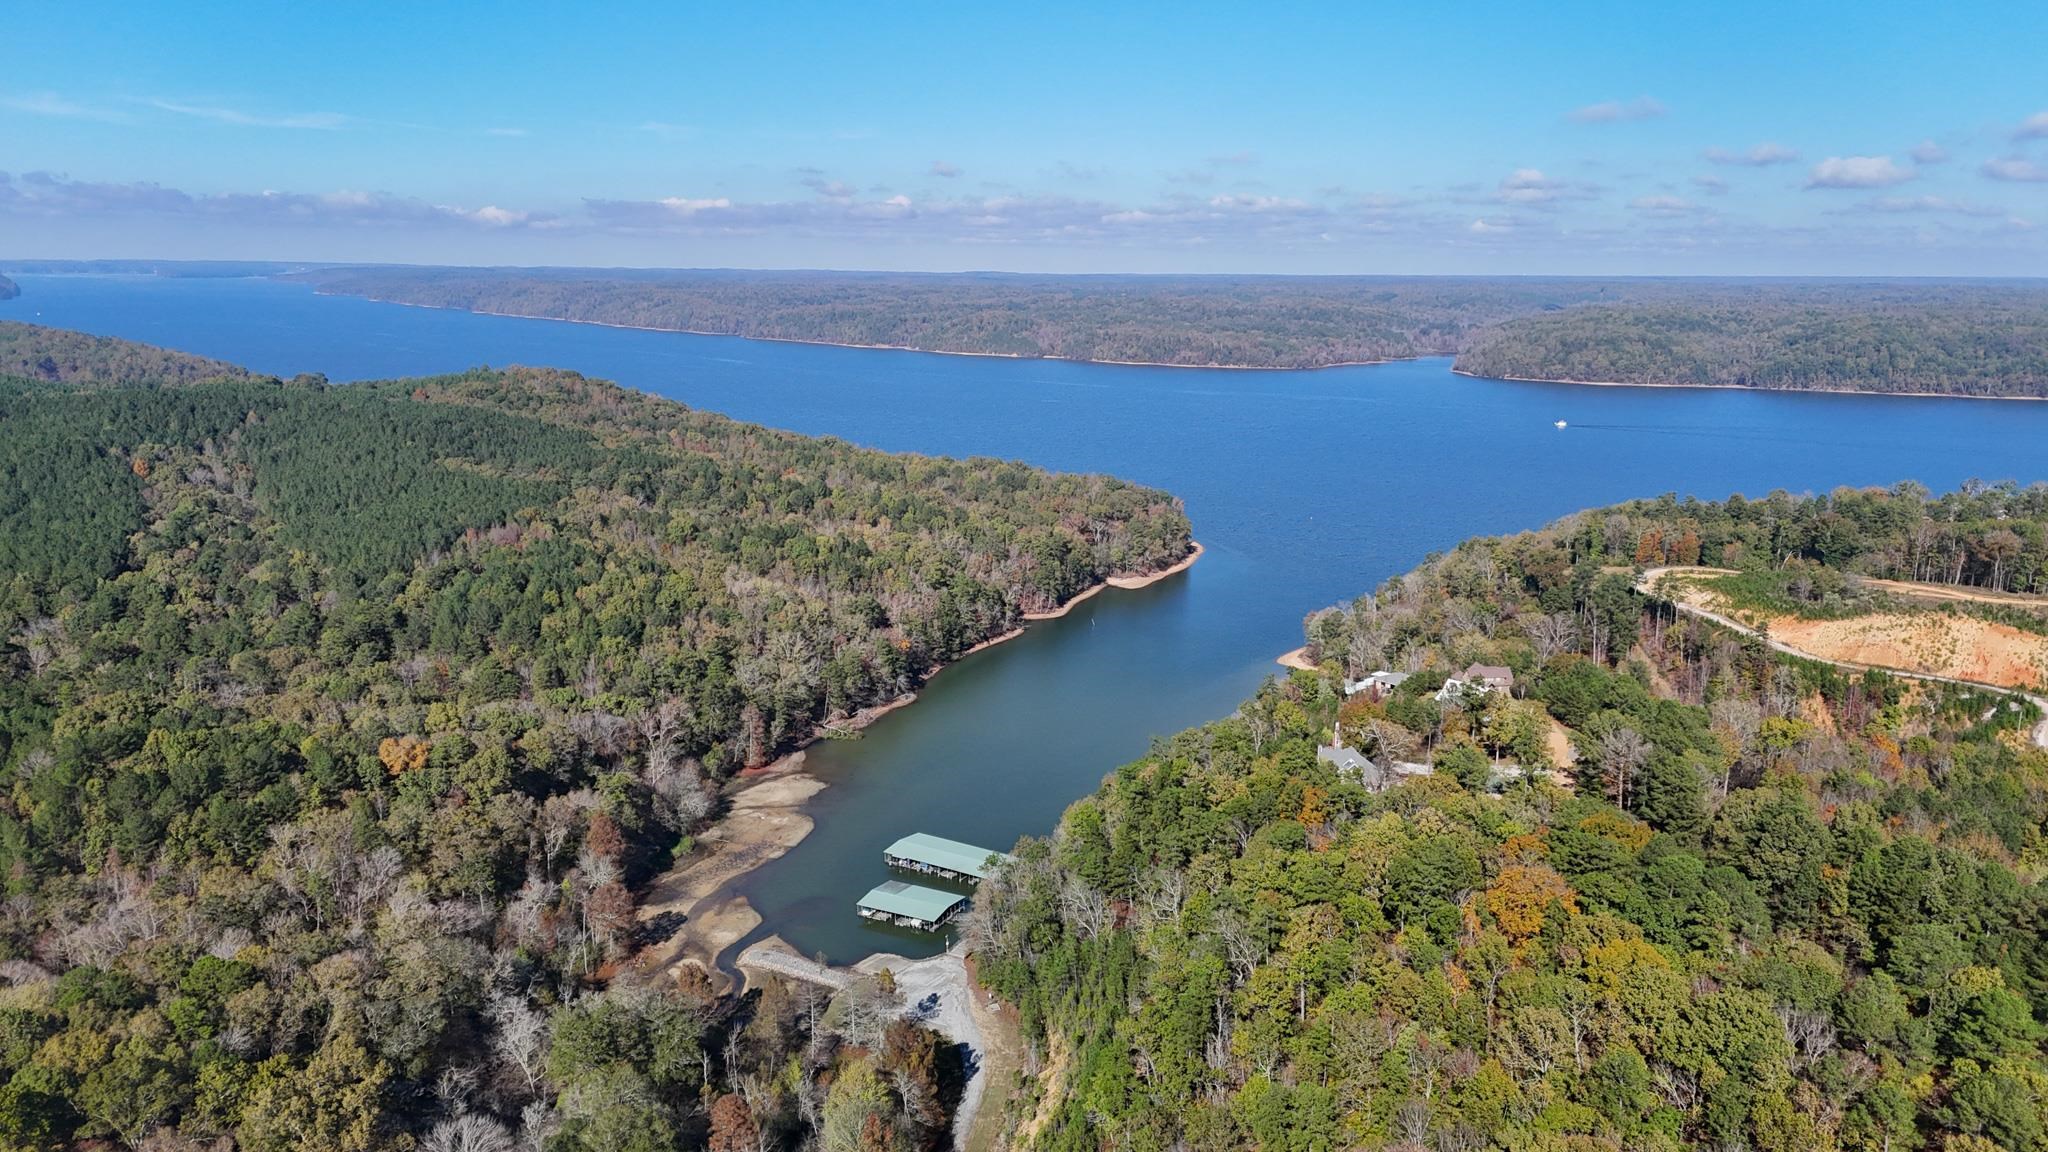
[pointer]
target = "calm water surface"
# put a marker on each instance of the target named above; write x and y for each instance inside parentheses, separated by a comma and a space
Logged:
(1307, 487)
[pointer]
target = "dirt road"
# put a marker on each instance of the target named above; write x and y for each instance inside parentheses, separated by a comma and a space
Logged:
(1647, 584)
(936, 992)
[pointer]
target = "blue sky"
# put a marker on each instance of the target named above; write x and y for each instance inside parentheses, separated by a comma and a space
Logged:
(1779, 138)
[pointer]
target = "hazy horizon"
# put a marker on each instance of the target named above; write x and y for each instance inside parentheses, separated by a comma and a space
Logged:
(35, 266)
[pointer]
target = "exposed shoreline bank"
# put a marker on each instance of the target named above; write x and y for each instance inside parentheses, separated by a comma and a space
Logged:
(1126, 583)
(766, 818)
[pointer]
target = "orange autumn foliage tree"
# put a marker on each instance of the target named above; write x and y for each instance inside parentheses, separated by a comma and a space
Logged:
(605, 839)
(1687, 550)
(1522, 894)
(402, 754)
(1315, 809)
(1650, 547)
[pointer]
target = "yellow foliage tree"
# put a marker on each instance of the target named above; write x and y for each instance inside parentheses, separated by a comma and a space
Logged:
(1630, 834)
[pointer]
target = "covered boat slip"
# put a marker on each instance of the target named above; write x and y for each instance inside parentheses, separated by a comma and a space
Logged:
(938, 856)
(910, 905)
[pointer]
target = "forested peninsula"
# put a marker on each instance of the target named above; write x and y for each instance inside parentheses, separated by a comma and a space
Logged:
(38, 355)
(1959, 340)
(1661, 887)
(1226, 321)
(339, 726)
(8, 289)
(1970, 338)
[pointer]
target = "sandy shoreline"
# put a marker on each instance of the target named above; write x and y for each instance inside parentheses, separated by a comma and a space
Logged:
(1131, 583)
(1296, 658)
(766, 819)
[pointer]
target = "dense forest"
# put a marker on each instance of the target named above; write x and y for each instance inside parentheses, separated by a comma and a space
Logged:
(339, 724)
(1670, 890)
(1958, 339)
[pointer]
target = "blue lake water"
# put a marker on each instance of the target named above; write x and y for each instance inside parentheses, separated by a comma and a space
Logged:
(1307, 487)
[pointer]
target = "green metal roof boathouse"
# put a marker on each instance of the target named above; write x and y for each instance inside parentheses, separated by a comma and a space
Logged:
(910, 905)
(947, 859)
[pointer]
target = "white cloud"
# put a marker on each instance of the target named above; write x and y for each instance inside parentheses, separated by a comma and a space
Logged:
(1762, 156)
(1929, 152)
(1711, 185)
(1530, 186)
(322, 121)
(942, 169)
(1613, 111)
(2015, 169)
(505, 132)
(684, 206)
(1662, 205)
(44, 194)
(52, 105)
(1930, 204)
(1857, 172)
(1259, 203)
(1252, 224)
(2034, 127)
(667, 131)
(497, 217)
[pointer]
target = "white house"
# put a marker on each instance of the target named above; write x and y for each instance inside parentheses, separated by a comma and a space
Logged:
(1378, 685)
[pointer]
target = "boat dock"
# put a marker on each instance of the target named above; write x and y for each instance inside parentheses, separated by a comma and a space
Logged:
(910, 905)
(946, 859)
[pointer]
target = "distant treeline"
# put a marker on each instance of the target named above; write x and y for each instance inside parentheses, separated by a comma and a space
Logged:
(1967, 338)
(1957, 339)
(170, 269)
(1235, 321)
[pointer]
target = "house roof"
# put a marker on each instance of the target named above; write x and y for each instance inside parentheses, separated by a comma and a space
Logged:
(1383, 678)
(1489, 672)
(1346, 759)
(900, 899)
(939, 852)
